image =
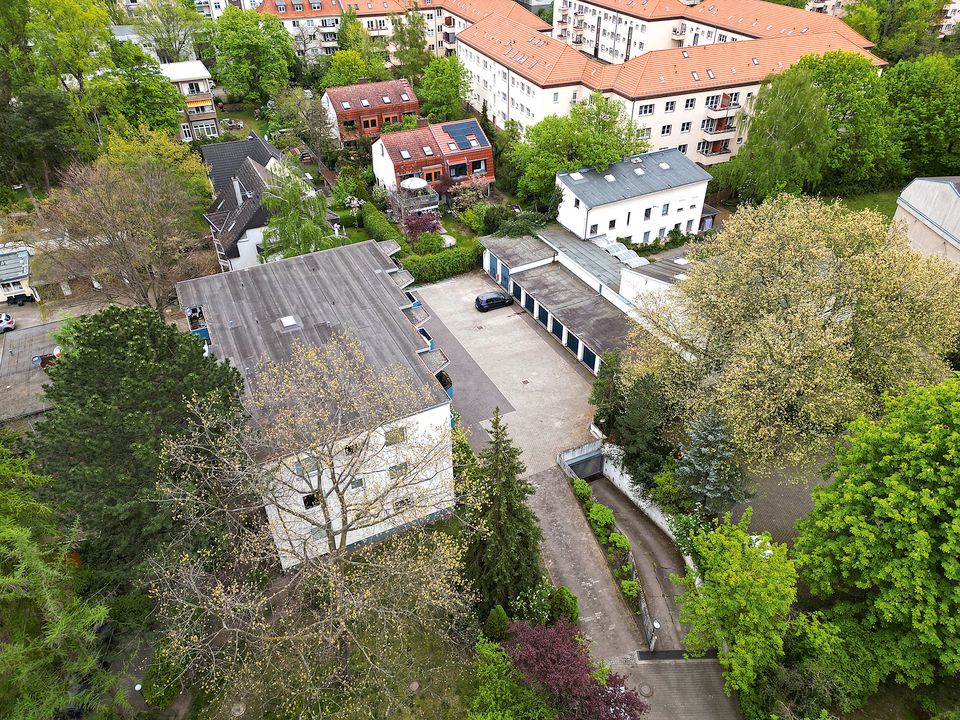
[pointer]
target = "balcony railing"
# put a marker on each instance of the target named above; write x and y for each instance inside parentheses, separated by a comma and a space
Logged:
(426, 200)
(679, 31)
(713, 152)
(718, 130)
(578, 40)
(722, 109)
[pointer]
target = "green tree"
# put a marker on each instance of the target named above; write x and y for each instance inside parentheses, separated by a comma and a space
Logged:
(900, 28)
(794, 320)
(47, 633)
(882, 540)
(495, 627)
(70, 40)
(923, 94)
(172, 27)
(353, 37)
(789, 139)
(741, 604)
(444, 89)
(254, 53)
(502, 558)
(639, 430)
(135, 93)
(708, 469)
(15, 55)
(594, 134)
(346, 68)
(298, 219)
(120, 387)
(866, 150)
(409, 39)
(607, 392)
(37, 138)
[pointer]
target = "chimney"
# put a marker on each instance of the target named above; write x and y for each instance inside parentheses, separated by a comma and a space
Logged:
(362, 81)
(422, 122)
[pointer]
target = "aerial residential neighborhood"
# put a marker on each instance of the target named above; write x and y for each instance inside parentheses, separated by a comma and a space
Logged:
(480, 359)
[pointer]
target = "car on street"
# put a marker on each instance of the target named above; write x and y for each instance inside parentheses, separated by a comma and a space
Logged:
(492, 301)
(7, 323)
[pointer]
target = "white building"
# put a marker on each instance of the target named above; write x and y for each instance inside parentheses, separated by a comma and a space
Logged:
(211, 9)
(637, 200)
(685, 98)
(192, 79)
(258, 313)
(929, 209)
(15, 285)
(951, 18)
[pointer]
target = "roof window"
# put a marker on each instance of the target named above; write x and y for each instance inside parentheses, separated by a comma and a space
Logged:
(696, 75)
(345, 105)
(427, 150)
(609, 178)
(452, 145)
(576, 176)
(755, 61)
(664, 166)
(365, 102)
(405, 154)
(386, 99)
(638, 171)
(404, 97)
(710, 74)
(288, 321)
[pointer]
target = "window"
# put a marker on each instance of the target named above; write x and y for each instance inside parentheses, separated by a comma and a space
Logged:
(689, 226)
(721, 37)
(478, 166)
(646, 237)
(185, 130)
(689, 103)
(395, 436)
(365, 102)
(646, 213)
(386, 99)
(298, 7)
(349, 124)
(370, 123)
(574, 97)
(612, 225)
(556, 97)
(702, 146)
(661, 232)
(458, 171)
(713, 101)
(682, 148)
(670, 106)
(645, 110)
(695, 75)
(576, 202)
(427, 150)
(735, 97)
(593, 229)
(405, 154)
(193, 88)
(345, 105)
(666, 130)
(356, 483)
(403, 504)
(666, 209)
(295, 23)
(309, 501)
(685, 127)
(706, 124)
(281, 8)
(397, 471)
(404, 97)
(628, 218)
(431, 175)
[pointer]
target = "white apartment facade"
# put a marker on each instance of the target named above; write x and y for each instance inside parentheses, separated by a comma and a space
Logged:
(683, 97)
(950, 20)
(192, 79)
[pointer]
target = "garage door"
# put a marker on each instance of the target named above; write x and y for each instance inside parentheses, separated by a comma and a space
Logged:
(517, 290)
(542, 315)
(589, 358)
(504, 276)
(573, 343)
(557, 329)
(494, 264)
(528, 303)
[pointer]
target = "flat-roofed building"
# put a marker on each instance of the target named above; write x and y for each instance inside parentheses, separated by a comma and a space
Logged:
(260, 313)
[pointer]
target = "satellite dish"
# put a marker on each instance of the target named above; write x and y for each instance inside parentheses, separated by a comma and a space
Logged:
(413, 183)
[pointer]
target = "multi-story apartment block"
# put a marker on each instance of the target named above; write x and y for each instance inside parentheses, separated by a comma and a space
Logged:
(617, 30)
(444, 154)
(200, 115)
(684, 97)
(950, 20)
(314, 23)
(208, 8)
(356, 111)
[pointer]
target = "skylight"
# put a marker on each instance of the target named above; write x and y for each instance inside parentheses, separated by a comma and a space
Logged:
(696, 75)
(710, 74)
(405, 154)
(386, 98)
(664, 166)
(638, 171)
(345, 105)
(452, 145)
(756, 61)
(288, 321)
(365, 102)
(576, 176)
(685, 54)
(427, 150)
(404, 97)
(609, 178)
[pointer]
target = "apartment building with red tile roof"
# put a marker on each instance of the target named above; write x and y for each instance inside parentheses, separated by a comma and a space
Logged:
(357, 111)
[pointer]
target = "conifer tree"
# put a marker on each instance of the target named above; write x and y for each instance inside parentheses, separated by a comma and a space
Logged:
(707, 468)
(502, 556)
(640, 428)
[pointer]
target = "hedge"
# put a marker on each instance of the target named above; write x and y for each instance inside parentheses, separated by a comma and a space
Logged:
(377, 224)
(441, 265)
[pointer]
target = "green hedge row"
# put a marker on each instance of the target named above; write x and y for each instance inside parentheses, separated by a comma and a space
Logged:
(379, 228)
(441, 265)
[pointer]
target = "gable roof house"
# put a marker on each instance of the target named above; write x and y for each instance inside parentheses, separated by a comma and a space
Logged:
(240, 171)
(360, 110)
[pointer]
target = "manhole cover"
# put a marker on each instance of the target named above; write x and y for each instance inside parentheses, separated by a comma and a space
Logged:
(645, 690)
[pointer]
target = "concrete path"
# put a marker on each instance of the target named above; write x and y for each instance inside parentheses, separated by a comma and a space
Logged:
(656, 556)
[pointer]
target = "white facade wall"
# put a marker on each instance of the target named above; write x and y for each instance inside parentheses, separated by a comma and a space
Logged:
(247, 247)
(383, 168)
(951, 18)
(680, 206)
(687, 140)
(435, 494)
(634, 285)
(331, 114)
(701, 33)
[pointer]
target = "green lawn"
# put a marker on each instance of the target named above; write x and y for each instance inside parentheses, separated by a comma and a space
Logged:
(884, 202)
(249, 123)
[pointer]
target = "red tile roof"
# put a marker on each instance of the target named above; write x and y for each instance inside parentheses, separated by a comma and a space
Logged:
(547, 62)
(476, 10)
(413, 141)
(373, 93)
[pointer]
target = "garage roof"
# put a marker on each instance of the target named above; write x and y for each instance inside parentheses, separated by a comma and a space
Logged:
(516, 252)
(594, 320)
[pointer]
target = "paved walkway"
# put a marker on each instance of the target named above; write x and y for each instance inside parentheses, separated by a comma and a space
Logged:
(656, 556)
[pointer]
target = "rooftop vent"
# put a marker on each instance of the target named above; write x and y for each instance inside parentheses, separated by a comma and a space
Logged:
(609, 178)
(288, 321)
(664, 166)
(638, 171)
(576, 176)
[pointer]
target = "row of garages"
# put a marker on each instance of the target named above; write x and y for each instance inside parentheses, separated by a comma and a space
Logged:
(576, 315)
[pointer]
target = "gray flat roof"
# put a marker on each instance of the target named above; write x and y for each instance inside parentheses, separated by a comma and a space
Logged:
(517, 251)
(590, 317)
(664, 266)
(595, 260)
(661, 170)
(350, 288)
(21, 382)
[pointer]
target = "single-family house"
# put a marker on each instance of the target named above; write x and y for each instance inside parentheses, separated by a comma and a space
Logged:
(15, 285)
(356, 111)
(192, 79)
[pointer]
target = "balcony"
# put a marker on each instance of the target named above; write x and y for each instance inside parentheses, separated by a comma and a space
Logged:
(679, 32)
(418, 202)
(578, 40)
(715, 149)
(720, 128)
(578, 13)
(563, 21)
(450, 40)
(723, 108)
(197, 97)
(579, 25)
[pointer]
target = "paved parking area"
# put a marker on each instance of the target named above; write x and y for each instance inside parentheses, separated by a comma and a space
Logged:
(21, 382)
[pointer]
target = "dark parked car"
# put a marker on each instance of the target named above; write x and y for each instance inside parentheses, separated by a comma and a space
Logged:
(492, 301)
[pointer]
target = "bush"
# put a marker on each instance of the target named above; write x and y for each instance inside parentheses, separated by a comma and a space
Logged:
(563, 604)
(495, 216)
(683, 528)
(439, 266)
(161, 682)
(630, 589)
(473, 217)
(521, 224)
(500, 694)
(130, 611)
(377, 225)
(601, 521)
(624, 571)
(618, 548)
(582, 491)
(533, 606)
(668, 494)
(416, 224)
(428, 244)
(495, 627)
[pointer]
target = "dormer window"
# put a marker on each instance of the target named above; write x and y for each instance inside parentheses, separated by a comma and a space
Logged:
(345, 105)
(297, 7)
(405, 154)
(281, 8)
(386, 99)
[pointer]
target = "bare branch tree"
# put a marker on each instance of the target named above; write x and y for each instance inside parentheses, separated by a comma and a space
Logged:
(130, 229)
(335, 450)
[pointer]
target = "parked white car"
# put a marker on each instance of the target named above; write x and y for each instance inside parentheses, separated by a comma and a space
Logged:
(7, 323)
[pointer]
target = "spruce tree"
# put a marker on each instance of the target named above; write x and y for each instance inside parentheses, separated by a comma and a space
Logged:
(640, 430)
(707, 469)
(503, 555)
